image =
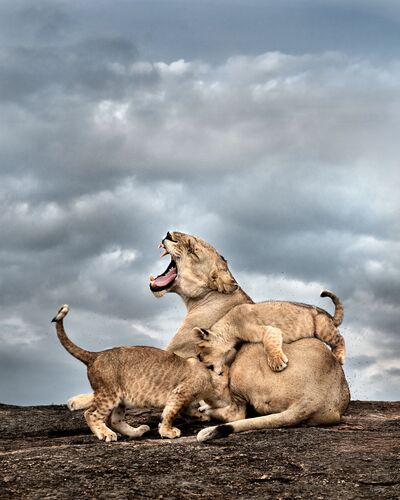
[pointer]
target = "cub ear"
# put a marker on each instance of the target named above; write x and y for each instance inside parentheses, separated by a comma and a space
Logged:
(230, 356)
(222, 281)
(200, 334)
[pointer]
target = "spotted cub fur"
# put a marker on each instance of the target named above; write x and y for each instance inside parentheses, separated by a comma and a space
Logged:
(125, 377)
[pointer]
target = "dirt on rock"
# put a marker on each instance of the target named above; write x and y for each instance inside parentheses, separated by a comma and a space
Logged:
(48, 452)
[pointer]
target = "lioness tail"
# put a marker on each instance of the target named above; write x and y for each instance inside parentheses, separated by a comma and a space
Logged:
(338, 316)
(78, 353)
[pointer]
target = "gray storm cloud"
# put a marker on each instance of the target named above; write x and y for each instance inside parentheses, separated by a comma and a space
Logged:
(286, 161)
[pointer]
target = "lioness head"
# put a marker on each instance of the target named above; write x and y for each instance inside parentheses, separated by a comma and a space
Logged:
(210, 351)
(196, 268)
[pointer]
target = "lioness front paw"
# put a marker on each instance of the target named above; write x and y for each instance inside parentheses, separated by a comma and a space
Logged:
(201, 414)
(168, 432)
(278, 363)
(204, 408)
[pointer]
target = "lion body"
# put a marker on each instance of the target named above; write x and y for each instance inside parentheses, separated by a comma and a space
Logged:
(271, 323)
(313, 388)
(142, 377)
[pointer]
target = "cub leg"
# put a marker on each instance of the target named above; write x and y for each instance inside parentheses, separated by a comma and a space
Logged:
(97, 415)
(80, 402)
(272, 340)
(117, 422)
(180, 397)
(326, 331)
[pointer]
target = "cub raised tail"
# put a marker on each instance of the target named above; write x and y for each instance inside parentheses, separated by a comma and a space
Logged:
(337, 318)
(76, 351)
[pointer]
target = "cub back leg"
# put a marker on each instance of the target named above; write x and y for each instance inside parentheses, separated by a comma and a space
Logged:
(97, 415)
(80, 402)
(179, 398)
(326, 331)
(118, 423)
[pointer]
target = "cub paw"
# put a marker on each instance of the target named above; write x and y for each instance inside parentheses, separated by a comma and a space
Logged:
(106, 435)
(278, 362)
(142, 429)
(168, 432)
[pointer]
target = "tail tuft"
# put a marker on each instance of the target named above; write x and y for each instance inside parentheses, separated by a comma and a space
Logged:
(217, 432)
(62, 312)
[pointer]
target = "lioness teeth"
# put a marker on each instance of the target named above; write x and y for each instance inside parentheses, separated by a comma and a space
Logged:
(164, 253)
(152, 278)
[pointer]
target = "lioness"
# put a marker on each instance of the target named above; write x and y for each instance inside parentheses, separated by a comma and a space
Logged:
(272, 323)
(126, 377)
(312, 389)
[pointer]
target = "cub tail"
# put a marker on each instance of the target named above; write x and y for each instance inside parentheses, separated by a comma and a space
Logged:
(78, 353)
(338, 316)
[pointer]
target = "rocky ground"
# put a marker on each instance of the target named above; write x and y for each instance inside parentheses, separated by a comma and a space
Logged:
(48, 452)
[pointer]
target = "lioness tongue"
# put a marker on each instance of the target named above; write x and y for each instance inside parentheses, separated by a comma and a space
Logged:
(166, 279)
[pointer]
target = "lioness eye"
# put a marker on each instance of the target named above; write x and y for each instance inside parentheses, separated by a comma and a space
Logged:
(193, 250)
(210, 367)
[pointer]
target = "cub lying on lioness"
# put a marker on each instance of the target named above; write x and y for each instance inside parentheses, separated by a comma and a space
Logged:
(271, 323)
(142, 377)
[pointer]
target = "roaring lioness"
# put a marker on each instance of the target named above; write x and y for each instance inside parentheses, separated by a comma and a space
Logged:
(313, 388)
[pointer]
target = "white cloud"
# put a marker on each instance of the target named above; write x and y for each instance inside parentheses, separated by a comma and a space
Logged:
(287, 164)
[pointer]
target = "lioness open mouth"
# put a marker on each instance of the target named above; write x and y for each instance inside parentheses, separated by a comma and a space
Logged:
(165, 279)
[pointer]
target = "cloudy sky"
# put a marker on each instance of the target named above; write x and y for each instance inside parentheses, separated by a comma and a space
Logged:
(268, 128)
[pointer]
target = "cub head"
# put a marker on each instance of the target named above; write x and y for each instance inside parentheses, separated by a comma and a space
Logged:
(211, 352)
(220, 395)
(195, 269)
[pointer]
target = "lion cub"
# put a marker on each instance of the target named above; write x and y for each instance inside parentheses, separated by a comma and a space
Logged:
(124, 377)
(271, 323)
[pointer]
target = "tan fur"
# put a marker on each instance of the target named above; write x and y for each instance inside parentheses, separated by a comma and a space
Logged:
(312, 389)
(126, 377)
(270, 323)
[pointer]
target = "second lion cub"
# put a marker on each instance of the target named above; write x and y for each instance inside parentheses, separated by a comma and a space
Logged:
(271, 323)
(126, 377)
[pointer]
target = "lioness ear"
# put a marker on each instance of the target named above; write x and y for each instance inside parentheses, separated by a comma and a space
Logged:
(200, 334)
(222, 281)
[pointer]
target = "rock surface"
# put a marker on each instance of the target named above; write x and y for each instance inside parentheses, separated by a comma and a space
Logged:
(48, 452)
